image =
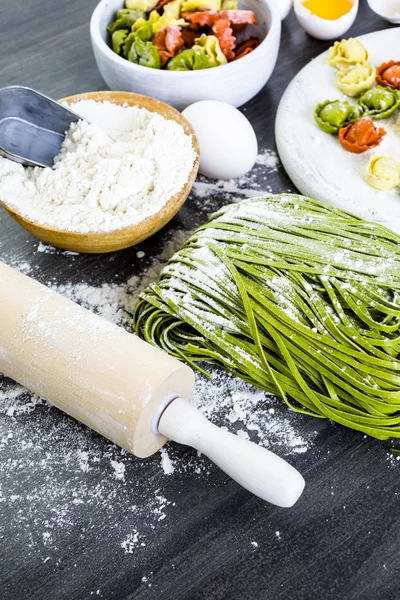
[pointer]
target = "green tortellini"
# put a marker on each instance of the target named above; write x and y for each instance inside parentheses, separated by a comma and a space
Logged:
(118, 39)
(379, 102)
(144, 34)
(200, 5)
(189, 60)
(332, 115)
(346, 53)
(383, 172)
(144, 5)
(124, 19)
(145, 54)
(210, 44)
(353, 81)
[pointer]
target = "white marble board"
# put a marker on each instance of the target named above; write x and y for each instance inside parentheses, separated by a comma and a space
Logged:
(315, 161)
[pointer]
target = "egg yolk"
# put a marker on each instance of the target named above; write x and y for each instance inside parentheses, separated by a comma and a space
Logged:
(328, 9)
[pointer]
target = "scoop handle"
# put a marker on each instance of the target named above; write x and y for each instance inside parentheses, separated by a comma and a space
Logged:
(255, 468)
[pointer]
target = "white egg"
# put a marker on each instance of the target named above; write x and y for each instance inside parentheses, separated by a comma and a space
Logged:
(324, 29)
(388, 9)
(228, 144)
(284, 7)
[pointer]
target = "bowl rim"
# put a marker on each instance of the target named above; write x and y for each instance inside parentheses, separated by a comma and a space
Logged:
(97, 40)
(103, 94)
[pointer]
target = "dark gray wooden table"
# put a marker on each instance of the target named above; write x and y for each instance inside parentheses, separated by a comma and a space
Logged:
(68, 526)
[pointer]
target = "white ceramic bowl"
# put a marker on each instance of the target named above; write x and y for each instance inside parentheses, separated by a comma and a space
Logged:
(234, 83)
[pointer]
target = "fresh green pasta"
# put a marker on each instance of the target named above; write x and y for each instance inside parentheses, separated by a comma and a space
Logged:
(332, 115)
(379, 102)
(296, 297)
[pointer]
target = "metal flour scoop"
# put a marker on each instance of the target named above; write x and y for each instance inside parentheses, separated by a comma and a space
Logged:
(32, 126)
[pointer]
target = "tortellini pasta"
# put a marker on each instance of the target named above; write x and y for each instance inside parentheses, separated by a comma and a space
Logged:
(199, 5)
(189, 60)
(168, 42)
(138, 24)
(229, 5)
(145, 5)
(144, 34)
(353, 81)
(173, 9)
(388, 74)
(361, 136)
(124, 19)
(347, 53)
(227, 41)
(166, 20)
(210, 44)
(383, 172)
(380, 102)
(211, 28)
(118, 39)
(332, 115)
(145, 54)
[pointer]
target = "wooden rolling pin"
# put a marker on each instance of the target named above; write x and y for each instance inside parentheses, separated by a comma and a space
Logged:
(120, 386)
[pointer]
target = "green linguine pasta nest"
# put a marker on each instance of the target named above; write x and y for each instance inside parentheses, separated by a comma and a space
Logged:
(296, 297)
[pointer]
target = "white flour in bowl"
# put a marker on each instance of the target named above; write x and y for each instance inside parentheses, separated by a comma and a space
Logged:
(101, 184)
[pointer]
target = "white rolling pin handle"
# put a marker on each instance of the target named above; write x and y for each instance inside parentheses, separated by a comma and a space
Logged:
(255, 468)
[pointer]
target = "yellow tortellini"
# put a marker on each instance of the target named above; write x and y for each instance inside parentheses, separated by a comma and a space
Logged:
(229, 5)
(158, 22)
(173, 9)
(347, 53)
(200, 5)
(383, 172)
(210, 44)
(356, 80)
(146, 5)
(138, 24)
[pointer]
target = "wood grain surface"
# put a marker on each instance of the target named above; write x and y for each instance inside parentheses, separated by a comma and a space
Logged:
(342, 539)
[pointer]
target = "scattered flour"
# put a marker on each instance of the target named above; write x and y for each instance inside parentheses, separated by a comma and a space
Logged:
(255, 183)
(119, 470)
(166, 463)
(101, 183)
(270, 159)
(131, 542)
(115, 302)
(250, 412)
(51, 250)
(77, 476)
(83, 461)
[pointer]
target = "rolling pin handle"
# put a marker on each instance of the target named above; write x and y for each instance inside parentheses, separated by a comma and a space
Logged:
(255, 468)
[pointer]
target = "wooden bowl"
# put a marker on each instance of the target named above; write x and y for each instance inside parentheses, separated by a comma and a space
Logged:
(110, 241)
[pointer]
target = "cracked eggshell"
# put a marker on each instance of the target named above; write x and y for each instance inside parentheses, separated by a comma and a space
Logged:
(324, 29)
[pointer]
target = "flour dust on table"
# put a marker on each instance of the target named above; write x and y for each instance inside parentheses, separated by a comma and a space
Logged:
(95, 474)
(83, 474)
